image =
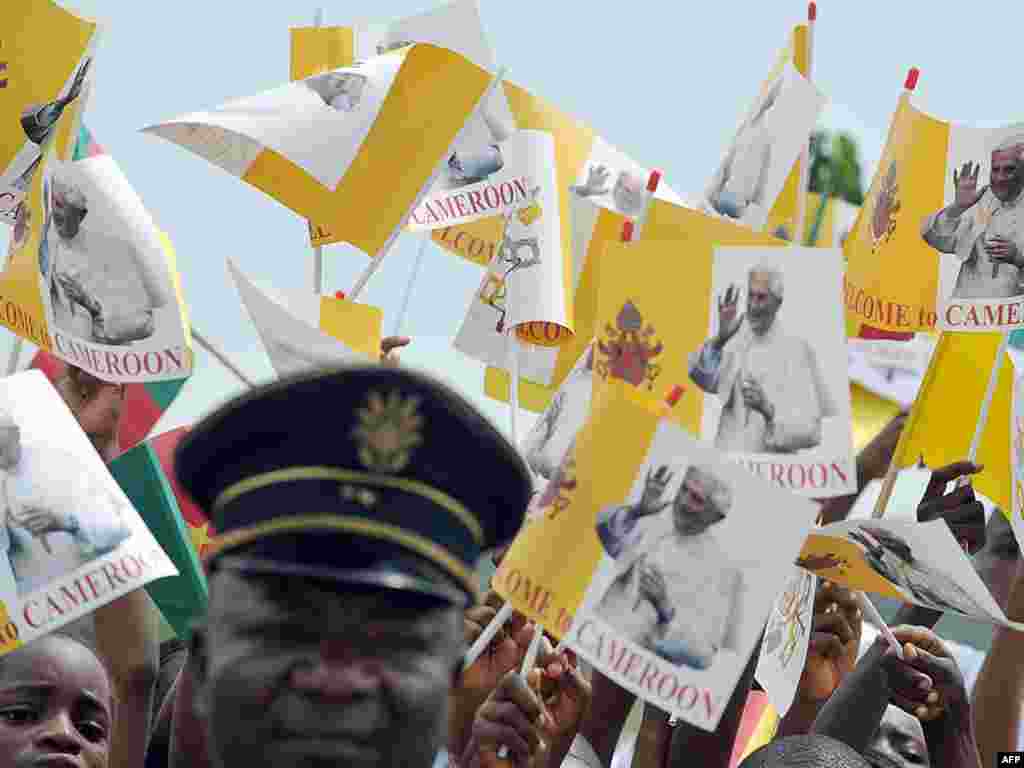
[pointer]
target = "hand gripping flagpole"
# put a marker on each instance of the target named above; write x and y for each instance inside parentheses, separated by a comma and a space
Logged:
(379, 257)
(889, 482)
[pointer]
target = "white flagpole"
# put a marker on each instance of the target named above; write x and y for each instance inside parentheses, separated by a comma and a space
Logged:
(408, 288)
(221, 357)
(318, 251)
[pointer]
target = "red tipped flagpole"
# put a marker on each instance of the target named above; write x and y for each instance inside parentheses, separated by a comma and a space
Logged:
(911, 82)
(630, 226)
(812, 11)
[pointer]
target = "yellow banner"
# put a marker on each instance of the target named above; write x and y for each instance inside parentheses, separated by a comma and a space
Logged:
(892, 274)
(533, 396)
(363, 179)
(941, 423)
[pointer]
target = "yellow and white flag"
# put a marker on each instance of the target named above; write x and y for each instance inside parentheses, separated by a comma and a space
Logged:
(456, 26)
(336, 147)
(753, 183)
(46, 54)
(941, 424)
(90, 278)
(303, 332)
(939, 243)
(647, 496)
(751, 335)
(919, 563)
(601, 189)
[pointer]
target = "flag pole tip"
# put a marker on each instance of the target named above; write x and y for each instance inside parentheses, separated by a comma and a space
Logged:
(652, 181)
(812, 11)
(674, 394)
(912, 76)
(627, 231)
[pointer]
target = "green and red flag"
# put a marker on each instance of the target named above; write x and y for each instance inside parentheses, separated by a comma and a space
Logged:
(146, 475)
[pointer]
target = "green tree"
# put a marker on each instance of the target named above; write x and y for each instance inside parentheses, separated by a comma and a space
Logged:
(835, 172)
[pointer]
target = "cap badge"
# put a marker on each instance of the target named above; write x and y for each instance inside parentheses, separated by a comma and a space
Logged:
(388, 431)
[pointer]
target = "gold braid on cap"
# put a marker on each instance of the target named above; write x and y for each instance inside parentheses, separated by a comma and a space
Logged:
(374, 529)
(291, 474)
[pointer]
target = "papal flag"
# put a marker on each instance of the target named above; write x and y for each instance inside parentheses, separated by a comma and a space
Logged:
(646, 492)
(45, 63)
(456, 26)
(91, 277)
(600, 188)
(757, 181)
(303, 332)
(146, 475)
(335, 147)
(526, 289)
(939, 243)
(750, 334)
(941, 425)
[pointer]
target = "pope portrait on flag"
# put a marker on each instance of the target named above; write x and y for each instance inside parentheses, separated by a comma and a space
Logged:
(983, 226)
(773, 392)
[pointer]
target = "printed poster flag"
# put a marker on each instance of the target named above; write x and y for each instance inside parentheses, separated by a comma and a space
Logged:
(149, 484)
(456, 26)
(939, 241)
(45, 72)
(748, 335)
(941, 423)
(334, 147)
(764, 150)
(543, 369)
(98, 549)
(524, 288)
(88, 275)
(648, 496)
(303, 332)
(919, 563)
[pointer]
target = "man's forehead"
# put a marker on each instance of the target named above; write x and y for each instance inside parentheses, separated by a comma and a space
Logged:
(236, 594)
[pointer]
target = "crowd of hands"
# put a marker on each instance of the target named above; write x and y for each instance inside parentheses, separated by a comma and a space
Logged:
(841, 694)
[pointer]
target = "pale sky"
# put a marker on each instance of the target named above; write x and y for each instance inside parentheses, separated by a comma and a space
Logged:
(664, 82)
